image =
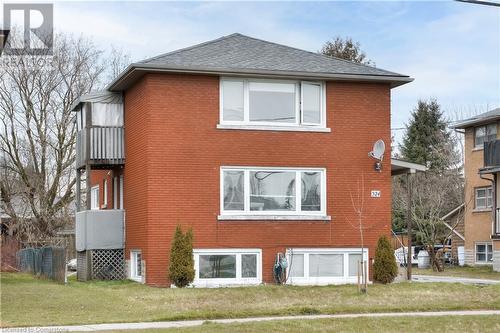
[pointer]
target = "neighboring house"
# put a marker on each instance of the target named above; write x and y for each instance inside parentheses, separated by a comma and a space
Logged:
(482, 164)
(260, 148)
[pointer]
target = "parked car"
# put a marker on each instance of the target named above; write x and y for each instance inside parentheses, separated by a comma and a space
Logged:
(72, 265)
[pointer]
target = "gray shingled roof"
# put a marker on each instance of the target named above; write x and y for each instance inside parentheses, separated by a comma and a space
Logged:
(479, 119)
(240, 55)
(238, 51)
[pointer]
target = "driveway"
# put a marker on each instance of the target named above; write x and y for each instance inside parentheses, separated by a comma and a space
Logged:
(452, 279)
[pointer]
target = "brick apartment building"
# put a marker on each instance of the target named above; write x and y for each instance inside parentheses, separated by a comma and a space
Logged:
(260, 148)
(482, 203)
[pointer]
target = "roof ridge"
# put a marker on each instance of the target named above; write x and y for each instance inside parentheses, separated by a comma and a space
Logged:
(314, 53)
(188, 48)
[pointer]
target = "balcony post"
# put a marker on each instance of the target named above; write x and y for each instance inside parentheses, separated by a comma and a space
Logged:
(88, 124)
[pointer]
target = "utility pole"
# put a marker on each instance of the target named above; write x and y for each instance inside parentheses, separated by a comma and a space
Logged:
(409, 223)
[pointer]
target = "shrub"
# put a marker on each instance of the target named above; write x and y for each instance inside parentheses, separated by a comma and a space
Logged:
(385, 268)
(181, 269)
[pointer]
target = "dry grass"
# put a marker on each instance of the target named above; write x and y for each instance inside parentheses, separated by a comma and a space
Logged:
(478, 272)
(29, 301)
(480, 324)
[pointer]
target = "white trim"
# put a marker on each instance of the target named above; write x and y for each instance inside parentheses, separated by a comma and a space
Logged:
(274, 217)
(308, 280)
(486, 252)
(246, 212)
(275, 128)
(115, 192)
(133, 267)
(105, 194)
(217, 282)
(321, 103)
(297, 125)
(121, 191)
(489, 190)
(94, 197)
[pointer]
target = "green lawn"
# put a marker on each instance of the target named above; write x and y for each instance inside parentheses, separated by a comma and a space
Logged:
(480, 324)
(29, 301)
(478, 272)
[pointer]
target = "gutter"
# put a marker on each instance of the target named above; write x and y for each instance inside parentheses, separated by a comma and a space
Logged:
(137, 69)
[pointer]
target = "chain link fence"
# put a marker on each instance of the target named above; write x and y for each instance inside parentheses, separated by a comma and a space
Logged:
(47, 261)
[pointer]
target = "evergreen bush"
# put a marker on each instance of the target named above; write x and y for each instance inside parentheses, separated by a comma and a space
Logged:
(385, 268)
(181, 269)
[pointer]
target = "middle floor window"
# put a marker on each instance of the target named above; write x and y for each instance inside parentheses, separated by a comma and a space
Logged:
(276, 191)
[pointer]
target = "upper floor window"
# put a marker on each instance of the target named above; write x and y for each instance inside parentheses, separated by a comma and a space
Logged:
(484, 134)
(275, 191)
(484, 197)
(272, 102)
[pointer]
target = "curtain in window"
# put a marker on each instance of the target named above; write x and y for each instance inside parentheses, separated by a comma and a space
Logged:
(107, 114)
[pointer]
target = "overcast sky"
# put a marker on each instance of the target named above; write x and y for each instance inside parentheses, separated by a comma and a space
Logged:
(451, 49)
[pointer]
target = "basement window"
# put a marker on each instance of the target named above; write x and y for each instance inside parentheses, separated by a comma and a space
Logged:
(214, 267)
(323, 265)
(136, 265)
(265, 102)
(273, 191)
(484, 253)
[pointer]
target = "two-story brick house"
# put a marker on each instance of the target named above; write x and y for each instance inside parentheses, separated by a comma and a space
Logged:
(482, 203)
(260, 148)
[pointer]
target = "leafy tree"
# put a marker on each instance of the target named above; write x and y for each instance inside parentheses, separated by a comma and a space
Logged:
(181, 269)
(345, 49)
(385, 268)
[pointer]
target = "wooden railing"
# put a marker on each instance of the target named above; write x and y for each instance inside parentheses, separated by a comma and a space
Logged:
(100, 146)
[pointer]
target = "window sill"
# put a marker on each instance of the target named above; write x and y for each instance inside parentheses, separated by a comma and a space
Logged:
(275, 128)
(274, 218)
(477, 149)
(481, 210)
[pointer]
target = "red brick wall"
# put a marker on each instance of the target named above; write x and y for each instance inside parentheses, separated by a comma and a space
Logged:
(97, 177)
(174, 154)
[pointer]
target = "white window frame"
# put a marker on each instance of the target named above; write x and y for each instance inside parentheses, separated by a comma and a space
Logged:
(488, 189)
(298, 198)
(121, 191)
(486, 253)
(216, 282)
(309, 280)
(115, 192)
(133, 266)
(105, 193)
(298, 104)
(94, 198)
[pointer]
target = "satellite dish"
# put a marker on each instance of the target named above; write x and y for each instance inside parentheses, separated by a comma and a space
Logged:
(378, 150)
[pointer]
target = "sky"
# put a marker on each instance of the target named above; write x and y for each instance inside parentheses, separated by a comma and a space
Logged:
(451, 49)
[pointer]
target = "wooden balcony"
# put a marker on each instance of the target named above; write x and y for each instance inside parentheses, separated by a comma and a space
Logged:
(100, 229)
(100, 146)
(492, 154)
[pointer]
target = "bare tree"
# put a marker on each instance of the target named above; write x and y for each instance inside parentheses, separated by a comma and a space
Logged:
(37, 134)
